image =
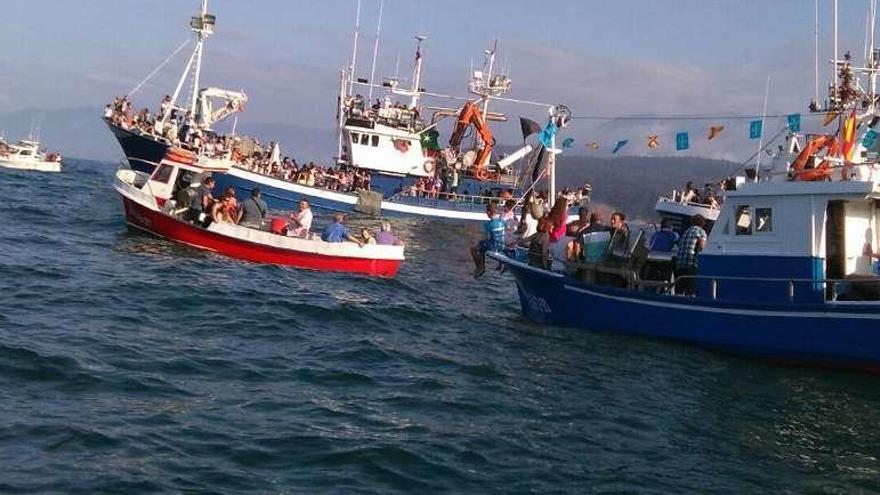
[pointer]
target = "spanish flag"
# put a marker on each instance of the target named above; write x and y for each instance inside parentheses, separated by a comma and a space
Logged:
(848, 136)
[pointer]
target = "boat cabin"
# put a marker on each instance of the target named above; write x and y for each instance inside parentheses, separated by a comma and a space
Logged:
(179, 170)
(793, 241)
(373, 146)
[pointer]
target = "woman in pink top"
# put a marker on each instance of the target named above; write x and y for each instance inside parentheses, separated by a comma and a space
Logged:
(559, 219)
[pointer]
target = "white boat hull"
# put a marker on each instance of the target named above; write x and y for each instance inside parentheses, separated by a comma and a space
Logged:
(32, 165)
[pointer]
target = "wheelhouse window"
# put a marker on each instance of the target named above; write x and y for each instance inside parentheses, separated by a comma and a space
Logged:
(365, 139)
(743, 220)
(355, 137)
(763, 220)
(375, 140)
(163, 175)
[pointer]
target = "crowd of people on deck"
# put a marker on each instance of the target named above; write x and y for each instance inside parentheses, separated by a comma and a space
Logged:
(708, 196)
(390, 113)
(204, 209)
(551, 241)
(339, 178)
(180, 129)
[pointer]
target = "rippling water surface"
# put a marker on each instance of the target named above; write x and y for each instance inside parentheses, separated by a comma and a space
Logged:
(129, 364)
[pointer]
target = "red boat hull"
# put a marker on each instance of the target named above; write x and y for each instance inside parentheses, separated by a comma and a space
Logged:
(171, 228)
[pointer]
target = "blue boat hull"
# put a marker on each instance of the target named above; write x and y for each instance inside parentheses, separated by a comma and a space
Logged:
(142, 152)
(833, 334)
(284, 195)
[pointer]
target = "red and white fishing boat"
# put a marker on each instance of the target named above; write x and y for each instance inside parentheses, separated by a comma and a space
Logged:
(150, 206)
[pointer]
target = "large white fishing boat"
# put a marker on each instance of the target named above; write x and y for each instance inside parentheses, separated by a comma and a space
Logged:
(26, 155)
(389, 140)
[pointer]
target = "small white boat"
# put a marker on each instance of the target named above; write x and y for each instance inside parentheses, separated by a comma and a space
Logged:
(26, 155)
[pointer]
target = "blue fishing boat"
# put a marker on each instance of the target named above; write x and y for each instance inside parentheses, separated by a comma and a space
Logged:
(146, 137)
(787, 271)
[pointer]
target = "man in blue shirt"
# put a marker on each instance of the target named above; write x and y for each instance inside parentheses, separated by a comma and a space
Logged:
(665, 239)
(336, 231)
(494, 240)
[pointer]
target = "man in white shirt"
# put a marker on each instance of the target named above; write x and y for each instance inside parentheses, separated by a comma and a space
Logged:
(301, 221)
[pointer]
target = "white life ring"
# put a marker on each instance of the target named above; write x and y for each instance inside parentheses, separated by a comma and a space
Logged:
(430, 165)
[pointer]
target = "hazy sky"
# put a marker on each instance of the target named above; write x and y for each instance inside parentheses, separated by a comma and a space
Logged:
(599, 57)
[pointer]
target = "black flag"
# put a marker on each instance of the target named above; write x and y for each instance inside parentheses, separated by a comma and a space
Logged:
(536, 162)
(529, 127)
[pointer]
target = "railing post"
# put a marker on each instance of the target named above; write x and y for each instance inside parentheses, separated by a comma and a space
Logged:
(714, 288)
(791, 291)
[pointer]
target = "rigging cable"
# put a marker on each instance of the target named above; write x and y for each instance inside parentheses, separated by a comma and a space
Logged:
(157, 69)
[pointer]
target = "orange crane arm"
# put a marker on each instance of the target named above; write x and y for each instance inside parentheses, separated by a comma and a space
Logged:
(471, 115)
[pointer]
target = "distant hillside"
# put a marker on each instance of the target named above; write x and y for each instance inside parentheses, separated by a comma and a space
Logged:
(632, 184)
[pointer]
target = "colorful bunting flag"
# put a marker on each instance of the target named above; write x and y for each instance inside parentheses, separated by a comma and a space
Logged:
(870, 140)
(568, 142)
(829, 118)
(714, 131)
(593, 146)
(794, 122)
(620, 144)
(548, 134)
(681, 141)
(755, 128)
(653, 141)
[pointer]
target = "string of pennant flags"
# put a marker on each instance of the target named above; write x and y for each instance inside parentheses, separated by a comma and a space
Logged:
(682, 139)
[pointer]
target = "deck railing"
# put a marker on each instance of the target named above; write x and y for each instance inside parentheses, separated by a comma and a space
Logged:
(789, 285)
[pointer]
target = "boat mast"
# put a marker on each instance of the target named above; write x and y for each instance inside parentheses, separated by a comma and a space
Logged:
(375, 50)
(872, 61)
(836, 89)
(354, 48)
(417, 75)
(490, 66)
(203, 30)
(340, 112)
(816, 52)
(761, 138)
(203, 26)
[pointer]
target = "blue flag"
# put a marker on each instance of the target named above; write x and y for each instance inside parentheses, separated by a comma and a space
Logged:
(794, 122)
(547, 135)
(568, 142)
(681, 141)
(870, 140)
(620, 144)
(755, 128)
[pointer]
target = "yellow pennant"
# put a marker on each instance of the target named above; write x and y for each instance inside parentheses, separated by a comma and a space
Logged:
(714, 131)
(653, 141)
(594, 145)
